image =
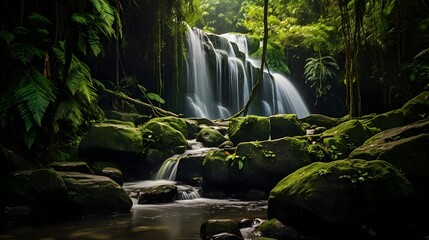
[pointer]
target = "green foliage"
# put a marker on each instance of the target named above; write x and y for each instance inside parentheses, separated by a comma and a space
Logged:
(221, 16)
(236, 159)
(275, 58)
(318, 71)
(359, 177)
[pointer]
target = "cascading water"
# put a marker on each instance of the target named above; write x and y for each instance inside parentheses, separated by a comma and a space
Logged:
(220, 78)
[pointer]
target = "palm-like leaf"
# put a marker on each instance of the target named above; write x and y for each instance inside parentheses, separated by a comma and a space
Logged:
(104, 10)
(36, 95)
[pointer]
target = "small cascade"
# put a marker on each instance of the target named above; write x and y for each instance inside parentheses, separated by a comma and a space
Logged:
(168, 169)
(186, 192)
(220, 77)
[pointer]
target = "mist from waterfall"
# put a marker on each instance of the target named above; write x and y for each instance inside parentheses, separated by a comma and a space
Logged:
(220, 75)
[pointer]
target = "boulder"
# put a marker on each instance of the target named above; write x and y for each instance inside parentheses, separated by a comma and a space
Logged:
(210, 137)
(216, 226)
(190, 167)
(404, 147)
(249, 128)
(416, 108)
(326, 196)
(285, 125)
(262, 164)
(319, 120)
(342, 139)
(192, 126)
(178, 124)
(157, 194)
(381, 122)
(92, 194)
(135, 118)
(114, 174)
(81, 167)
(216, 169)
(273, 228)
(225, 236)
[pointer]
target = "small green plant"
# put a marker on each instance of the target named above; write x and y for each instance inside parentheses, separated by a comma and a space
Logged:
(236, 158)
(358, 177)
(335, 154)
(268, 153)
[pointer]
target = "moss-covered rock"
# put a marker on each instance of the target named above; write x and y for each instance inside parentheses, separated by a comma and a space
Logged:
(342, 139)
(405, 147)
(262, 164)
(341, 193)
(319, 120)
(216, 226)
(273, 228)
(81, 167)
(157, 194)
(177, 123)
(210, 137)
(249, 128)
(161, 135)
(285, 125)
(216, 170)
(416, 108)
(114, 174)
(192, 126)
(381, 122)
(92, 194)
(105, 140)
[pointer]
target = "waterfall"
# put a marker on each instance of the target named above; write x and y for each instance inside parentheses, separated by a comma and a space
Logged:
(220, 78)
(168, 169)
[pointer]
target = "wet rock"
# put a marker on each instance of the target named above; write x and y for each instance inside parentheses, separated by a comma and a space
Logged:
(135, 118)
(210, 137)
(190, 167)
(114, 174)
(226, 144)
(216, 169)
(81, 167)
(285, 125)
(216, 226)
(178, 124)
(275, 229)
(225, 236)
(326, 196)
(256, 195)
(215, 195)
(157, 194)
(319, 130)
(249, 128)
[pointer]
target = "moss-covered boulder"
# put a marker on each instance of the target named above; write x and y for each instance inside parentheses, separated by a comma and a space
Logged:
(416, 108)
(161, 141)
(285, 125)
(177, 123)
(405, 147)
(210, 137)
(114, 174)
(342, 139)
(320, 120)
(157, 194)
(54, 195)
(381, 122)
(216, 170)
(249, 128)
(81, 167)
(273, 228)
(192, 126)
(341, 193)
(262, 164)
(216, 226)
(93, 194)
(107, 141)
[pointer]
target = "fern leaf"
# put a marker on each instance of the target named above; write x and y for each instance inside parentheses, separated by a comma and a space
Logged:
(94, 42)
(37, 95)
(7, 36)
(26, 116)
(104, 10)
(69, 111)
(80, 18)
(25, 52)
(30, 137)
(37, 18)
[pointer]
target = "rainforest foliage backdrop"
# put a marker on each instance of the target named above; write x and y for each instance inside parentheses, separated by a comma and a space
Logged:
(60, 61)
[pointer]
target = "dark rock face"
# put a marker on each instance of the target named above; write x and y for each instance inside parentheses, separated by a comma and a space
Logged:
(81, 167)
(157, 194)
(285, 125)
(276, 230)
(249, 128)
(342, 193)
(210, 137)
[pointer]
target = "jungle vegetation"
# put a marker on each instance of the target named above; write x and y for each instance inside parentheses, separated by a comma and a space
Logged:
(58, 57)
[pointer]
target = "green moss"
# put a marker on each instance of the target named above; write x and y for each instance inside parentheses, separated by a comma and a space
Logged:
(216, 169)
(210, 137)
(381, 122)
(249, 128)
(164, 136)
(416, 108)
(285, 125)
(177, 123)
(319, 120)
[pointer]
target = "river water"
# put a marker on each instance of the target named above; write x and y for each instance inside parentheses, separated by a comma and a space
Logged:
(180, 220)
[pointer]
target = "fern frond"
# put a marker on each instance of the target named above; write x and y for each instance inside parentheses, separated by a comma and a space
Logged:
(37, 18)
(7, 36)
(26, 116)
(69, 111)
(94, 42)
(25, 52)
(80, 18)
(104, 10)
(36, 94)
(30, 137)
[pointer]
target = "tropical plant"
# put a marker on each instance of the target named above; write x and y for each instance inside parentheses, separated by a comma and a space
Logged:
(318, 71)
